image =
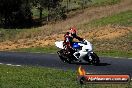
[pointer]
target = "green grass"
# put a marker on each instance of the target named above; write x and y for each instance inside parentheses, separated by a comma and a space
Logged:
(40, 77)
(48, 49)
(77, 4)
(9, 34)
(118, 47)
(15, 34)
(123, 19)
(115, 53)
(104, 2)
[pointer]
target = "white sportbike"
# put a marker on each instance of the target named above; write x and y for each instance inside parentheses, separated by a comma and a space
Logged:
(83, 52)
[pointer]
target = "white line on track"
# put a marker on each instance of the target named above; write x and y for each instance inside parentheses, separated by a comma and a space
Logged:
(13, 65)
(17, 65)
(10, 65)
(1, 63)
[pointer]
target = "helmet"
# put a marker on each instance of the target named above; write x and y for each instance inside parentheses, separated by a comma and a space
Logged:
(73, 30)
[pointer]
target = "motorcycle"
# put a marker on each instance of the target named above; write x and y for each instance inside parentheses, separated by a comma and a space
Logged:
(83, 52)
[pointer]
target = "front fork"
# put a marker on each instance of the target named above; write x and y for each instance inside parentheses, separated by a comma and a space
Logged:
(89, 55)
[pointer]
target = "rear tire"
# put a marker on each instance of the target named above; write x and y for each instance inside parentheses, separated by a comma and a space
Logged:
(63, 57)
(60, 56)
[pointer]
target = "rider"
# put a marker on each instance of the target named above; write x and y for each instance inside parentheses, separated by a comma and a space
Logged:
(68, 39)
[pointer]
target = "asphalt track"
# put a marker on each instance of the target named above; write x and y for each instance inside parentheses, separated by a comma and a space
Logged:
(107, 66)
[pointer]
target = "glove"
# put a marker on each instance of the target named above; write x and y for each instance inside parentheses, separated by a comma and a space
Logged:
(84, 42)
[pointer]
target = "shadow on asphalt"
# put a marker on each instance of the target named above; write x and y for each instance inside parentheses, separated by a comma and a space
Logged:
(83, 63)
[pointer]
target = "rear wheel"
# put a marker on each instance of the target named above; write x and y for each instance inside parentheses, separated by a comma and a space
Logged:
(60, 56)
(63, 56)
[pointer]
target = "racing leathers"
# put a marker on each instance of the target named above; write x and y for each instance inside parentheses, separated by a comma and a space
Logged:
(68, 40)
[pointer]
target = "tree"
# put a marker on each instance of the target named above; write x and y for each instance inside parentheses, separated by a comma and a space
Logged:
(68, 2)
(84, 3)
(50, 5)
(14, 12)
(40, 5)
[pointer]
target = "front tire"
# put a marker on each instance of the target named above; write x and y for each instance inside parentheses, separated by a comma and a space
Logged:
(95, 59)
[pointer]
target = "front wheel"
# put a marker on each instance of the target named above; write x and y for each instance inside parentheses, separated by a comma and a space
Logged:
(94, 58)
